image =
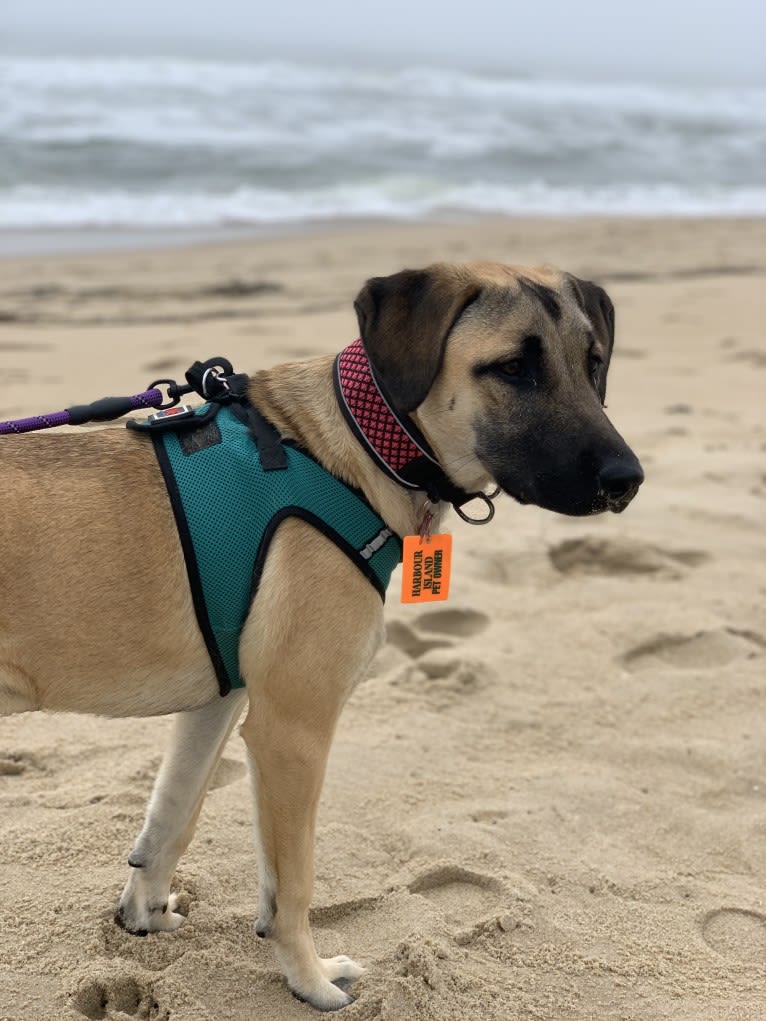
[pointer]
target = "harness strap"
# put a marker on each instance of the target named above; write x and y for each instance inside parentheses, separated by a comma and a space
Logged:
(266, 436)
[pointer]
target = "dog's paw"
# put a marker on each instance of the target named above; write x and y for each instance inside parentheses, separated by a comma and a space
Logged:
(323, 981)
(323, 995)
(341, 969)
(140, 921)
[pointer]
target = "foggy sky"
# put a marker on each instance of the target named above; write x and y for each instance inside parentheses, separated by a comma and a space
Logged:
(676, 40)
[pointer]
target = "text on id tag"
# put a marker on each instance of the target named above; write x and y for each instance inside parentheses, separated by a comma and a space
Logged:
(426, 564)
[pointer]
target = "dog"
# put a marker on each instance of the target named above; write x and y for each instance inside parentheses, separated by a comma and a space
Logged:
(498, 372)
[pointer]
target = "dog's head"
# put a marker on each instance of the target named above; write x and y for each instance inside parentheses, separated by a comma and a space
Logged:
(504, 371)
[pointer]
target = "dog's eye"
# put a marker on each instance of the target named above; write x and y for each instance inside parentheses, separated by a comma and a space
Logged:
(596, 370)
(513, 367)
(594, 367)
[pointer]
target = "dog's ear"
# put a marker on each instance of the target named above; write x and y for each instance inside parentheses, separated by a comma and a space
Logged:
(404, 322)
(598, 307)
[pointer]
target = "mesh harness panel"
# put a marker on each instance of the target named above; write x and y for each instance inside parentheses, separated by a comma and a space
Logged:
(229, 500)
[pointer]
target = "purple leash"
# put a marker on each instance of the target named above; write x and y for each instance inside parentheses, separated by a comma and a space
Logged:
(209, 379)
(100, 411)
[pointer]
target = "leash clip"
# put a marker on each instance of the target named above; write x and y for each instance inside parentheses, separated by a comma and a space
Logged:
(174, 392)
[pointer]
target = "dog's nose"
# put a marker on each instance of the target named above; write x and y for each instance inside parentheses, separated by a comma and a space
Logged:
(619, 479)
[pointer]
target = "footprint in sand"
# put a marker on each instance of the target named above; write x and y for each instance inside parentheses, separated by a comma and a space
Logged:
(463, 897)
(16, 763)
(460, 894)
(443, 675)
(118, 996)
(473, 905)
(445, 679)
(408, 641)
(753, 356)
(443, 625)
(331, 914)
(736, 933)
(706, 649)
(607, 556)
(489, 816)
(12, 765)
(457, 623)
(468, 905)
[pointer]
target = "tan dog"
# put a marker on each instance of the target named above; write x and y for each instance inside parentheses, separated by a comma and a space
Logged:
(503, 371)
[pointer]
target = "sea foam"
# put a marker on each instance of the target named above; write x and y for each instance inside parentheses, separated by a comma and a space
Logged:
(161, 142)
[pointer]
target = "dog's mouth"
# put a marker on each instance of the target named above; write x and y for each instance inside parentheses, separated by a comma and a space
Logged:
(579, 486)
(614, 501)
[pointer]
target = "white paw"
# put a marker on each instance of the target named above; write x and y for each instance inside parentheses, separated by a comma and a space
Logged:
(341, 967)
(323, 995)
(142, 919)
(170, 919)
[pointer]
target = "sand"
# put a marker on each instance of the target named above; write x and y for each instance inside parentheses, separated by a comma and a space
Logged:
(549, 799)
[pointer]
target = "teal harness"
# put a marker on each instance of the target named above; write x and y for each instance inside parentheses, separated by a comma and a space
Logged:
(232, 481)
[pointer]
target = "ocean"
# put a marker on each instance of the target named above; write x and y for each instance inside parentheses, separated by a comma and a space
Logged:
(154, 143)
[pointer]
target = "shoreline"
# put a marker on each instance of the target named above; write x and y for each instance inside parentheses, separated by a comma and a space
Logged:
(36, 242)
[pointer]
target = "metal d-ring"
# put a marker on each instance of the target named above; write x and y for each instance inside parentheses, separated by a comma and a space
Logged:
(213, 373)
(487, 498)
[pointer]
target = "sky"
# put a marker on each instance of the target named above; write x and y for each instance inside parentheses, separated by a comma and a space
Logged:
(674, 40)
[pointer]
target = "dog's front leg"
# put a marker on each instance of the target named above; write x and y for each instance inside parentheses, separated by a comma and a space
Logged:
(287, 767)
(303, 649)
(146, 904)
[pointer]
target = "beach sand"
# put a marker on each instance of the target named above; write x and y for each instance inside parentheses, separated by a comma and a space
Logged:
(549, 800)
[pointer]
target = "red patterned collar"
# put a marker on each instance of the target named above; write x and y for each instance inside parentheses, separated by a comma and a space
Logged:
(371, 416)
(392, 440)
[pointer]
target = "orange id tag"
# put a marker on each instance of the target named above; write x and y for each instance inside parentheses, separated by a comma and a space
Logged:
(426, 566)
